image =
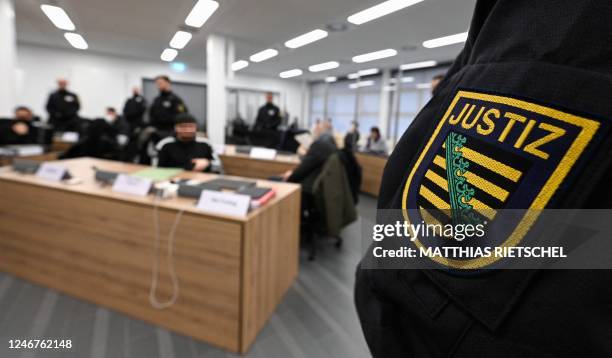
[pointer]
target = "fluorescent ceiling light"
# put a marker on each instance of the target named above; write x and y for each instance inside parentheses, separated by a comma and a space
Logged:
(403, 80)
(423, 86)
(239, 65)
(446, 40)
(353, 76)
(306, 38)
(389, 88)
(291, 73)
(361, 84)
(414, 66)
(367, 57)
(264, 55)
(380, 10)
(76, 40)
(200, 13)
(169, 54)
(180, 39)
(58, 17)
(324, 66)
(368, 72)
(331, 79)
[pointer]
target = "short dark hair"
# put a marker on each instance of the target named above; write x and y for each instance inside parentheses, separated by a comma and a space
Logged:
(439, 77)
(111, 109)
(375, 130)
(184, 118)
(163, 77)
(22, 108)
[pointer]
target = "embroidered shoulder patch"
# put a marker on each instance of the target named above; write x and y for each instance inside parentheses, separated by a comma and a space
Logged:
(488, 153)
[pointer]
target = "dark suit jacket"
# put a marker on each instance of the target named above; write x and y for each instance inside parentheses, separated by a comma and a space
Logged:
(320, 150)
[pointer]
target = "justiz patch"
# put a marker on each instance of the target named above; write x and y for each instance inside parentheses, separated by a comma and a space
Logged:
(490, 153)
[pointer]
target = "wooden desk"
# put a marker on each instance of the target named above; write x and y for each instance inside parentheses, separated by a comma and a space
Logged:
(240, 164)
(58, 145)
(92, 243)
(45, 157)
(373, 167)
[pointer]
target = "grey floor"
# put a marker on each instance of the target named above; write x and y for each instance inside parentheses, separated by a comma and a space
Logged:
(316, 319)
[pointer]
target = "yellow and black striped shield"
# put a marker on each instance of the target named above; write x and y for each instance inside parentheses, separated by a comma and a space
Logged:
(490, 153)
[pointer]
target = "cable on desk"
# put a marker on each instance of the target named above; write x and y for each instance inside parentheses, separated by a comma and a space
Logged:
(156, 244)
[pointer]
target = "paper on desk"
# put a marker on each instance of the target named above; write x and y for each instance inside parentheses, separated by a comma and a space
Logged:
(158, 174)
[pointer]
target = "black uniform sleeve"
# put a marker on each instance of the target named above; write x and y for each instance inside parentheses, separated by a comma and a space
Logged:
(163, 158)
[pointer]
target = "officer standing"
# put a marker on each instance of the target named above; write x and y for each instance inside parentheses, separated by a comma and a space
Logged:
(63, 107)
(525, 65)
(268, 116)
(134, 110)
(166, 106)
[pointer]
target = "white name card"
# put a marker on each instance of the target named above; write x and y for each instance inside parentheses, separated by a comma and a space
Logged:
(51, 172)
(127, 184)
(70, 137)
(224, 203)
(219, 148)
(263, 153)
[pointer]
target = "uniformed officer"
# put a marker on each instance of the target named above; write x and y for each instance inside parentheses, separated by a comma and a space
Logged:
(63, 107)
(134, 110)
(268, 116)
(184, 149)
(534, 80)
(166, 106)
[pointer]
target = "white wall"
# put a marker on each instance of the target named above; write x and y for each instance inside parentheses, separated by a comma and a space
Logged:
(102, 81)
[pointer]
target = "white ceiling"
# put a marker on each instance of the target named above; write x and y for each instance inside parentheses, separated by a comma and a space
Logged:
(142, 29)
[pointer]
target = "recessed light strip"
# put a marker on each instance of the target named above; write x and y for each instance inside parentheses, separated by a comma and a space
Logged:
(324, 66)
(180, 39)
(380, 10)
(169, 55)
(291, 73)
(446, 40)
(76, 40)
(417, 65)
(239, 65)
(264, 55)
(377, 55)
(58, 17)
(307, 38)
(201, 12)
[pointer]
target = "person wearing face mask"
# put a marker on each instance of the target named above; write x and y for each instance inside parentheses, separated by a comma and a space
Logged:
(184, 149)
(63, 107)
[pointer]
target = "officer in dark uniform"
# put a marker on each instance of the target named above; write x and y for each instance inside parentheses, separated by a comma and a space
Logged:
(268, 116)
(63, 107)
(166, 106)
(538, 72)
(184, 149)
(134, 110)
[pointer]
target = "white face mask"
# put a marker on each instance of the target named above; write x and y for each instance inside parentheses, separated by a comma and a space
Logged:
(109, 118)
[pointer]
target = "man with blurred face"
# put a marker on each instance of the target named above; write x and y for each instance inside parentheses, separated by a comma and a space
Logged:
(185, 150)
(166, 106)
(268, 116)
(19, 130)
(320, 150)
(63, 107)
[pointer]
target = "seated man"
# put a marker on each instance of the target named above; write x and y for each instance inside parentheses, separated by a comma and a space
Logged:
(185, 150)
(320, 150)
(19, 130)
